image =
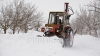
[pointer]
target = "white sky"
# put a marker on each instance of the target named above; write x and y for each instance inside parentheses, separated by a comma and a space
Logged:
(54, 5)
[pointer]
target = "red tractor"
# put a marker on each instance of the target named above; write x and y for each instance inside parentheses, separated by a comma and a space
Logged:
(58, 24)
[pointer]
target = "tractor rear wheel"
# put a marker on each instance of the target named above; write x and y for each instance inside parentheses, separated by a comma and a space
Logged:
(70, 39)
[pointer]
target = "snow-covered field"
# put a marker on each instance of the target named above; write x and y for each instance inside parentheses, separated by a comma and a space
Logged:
(31, 45)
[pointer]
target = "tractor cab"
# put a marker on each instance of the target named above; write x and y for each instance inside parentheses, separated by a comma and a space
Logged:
(55, 18)
(58, 18)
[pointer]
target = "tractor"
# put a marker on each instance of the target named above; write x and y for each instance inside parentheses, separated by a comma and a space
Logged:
(58, 24)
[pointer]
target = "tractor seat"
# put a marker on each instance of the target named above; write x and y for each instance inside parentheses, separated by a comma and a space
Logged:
(60, 26)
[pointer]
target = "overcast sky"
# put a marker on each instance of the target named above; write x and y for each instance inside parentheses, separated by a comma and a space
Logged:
(54, 5)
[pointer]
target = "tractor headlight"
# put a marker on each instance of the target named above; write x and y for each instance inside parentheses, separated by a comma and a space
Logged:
(42, 29)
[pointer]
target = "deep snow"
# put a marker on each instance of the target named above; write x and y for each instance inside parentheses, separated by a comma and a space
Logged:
(31, 45)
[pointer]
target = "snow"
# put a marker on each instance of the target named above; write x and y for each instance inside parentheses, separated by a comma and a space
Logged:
(31, 45)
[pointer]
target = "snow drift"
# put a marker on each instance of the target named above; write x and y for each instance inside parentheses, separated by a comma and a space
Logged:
(31, 45)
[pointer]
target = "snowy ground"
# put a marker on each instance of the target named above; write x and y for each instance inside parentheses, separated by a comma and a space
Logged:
(31, 45)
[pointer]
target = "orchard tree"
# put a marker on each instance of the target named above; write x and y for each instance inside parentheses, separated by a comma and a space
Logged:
(19, 16)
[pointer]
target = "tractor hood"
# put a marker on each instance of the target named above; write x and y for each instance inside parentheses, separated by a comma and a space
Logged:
(48, 25)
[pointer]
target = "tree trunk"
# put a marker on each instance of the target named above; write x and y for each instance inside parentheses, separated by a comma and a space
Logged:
(89, 32)
(14, 30)
(96, 34)
(18, 31)
(26, 29)
(5, 29)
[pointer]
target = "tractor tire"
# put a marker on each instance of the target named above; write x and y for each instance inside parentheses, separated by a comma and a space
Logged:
(70, 39)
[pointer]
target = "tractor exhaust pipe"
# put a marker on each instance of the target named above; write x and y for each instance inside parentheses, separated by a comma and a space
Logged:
(66, 7)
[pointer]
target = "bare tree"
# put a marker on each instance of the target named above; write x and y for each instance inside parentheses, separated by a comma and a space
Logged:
(20, 16)
(87, 19)
(6, 16)
(94, 7)
(81, 20)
